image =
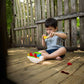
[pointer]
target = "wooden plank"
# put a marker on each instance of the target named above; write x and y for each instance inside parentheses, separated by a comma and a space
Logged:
(66, 23)
(19, 37)
(29, 37)
(13, 23)
(60, 24)
(33, 37)
(41, 77)
(52, 8)
(73, 25)
(25, 40)
(43, 9)
(36, 10)
(27, 12)
(37, 69)
(23, 28)
(44, 29)
(20, 7)
(18, 19)
(64, 17)
(48, 8)
(16, 37)
(76, 78)
(81, 8)
(39, 27)
(55, 7)
(43, 16)
(32, 22)
(15, 13)
(59, 77)
(33, 70)
(31, 10)
(24, 12)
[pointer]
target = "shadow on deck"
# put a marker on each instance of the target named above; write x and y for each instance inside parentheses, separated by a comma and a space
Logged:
(22, 71)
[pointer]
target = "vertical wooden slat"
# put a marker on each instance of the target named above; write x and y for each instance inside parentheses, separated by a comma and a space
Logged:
(24, 12)
(32, 22)
(24, 21)
(39, 28)
(17, 14)
(13, 23)
(15, 10)
(36, 30)
(52, 8)
(36, 8)
(73, 25)
(27, 3)
(18, 22)
(55, 7)
(31, 8)
(29, 37)
(43, 9)
(20, 17)
(20, 7)
(81, 9)
(43, 15)
(48, 8)
(27, 13)
(16, 37)
(66, 23)
(59, 3)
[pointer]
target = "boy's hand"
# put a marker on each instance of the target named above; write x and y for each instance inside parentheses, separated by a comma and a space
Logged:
(51, 34)
(43, 36)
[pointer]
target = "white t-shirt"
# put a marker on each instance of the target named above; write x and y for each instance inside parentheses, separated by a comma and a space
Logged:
(54, 42)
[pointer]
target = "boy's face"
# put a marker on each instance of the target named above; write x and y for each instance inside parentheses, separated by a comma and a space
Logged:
(51, 29)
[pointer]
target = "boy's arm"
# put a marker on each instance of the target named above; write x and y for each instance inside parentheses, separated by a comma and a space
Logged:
(61, 35)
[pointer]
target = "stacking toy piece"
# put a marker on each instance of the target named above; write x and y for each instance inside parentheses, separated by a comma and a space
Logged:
(45, 37)
(31, 54)
(35, 57)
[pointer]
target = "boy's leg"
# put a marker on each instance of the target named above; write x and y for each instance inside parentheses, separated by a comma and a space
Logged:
(61, 51)
(43, 51)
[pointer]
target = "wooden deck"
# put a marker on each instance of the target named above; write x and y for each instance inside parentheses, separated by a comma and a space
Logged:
(22, 71)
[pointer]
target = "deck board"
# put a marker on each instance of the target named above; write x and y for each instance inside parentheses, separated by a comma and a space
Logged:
(22, 71)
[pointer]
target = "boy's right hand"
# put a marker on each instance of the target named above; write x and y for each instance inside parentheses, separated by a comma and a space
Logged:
(43, 36)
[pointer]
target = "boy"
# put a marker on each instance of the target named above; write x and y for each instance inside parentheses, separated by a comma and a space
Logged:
(55, 49)
(54, 42)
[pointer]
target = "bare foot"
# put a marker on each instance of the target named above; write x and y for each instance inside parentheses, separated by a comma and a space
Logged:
(58, 58)
(45, 55)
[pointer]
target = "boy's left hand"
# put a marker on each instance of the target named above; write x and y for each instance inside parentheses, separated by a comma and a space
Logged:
(51, 34)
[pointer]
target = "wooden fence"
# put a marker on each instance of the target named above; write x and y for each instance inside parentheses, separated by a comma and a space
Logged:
(30, 16)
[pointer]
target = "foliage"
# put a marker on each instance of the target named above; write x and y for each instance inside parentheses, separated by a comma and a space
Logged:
(9, 14)
(78, 21)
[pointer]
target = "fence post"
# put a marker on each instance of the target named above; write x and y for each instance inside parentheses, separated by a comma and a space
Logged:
(66, 23)
(39, 26)
(73, 26)
(13, 24)
(81, 9)
(59, 6)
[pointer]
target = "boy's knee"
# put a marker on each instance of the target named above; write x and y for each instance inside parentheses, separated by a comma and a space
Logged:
(64, 49)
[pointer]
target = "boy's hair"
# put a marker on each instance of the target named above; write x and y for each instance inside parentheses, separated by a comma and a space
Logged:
(51, 22)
